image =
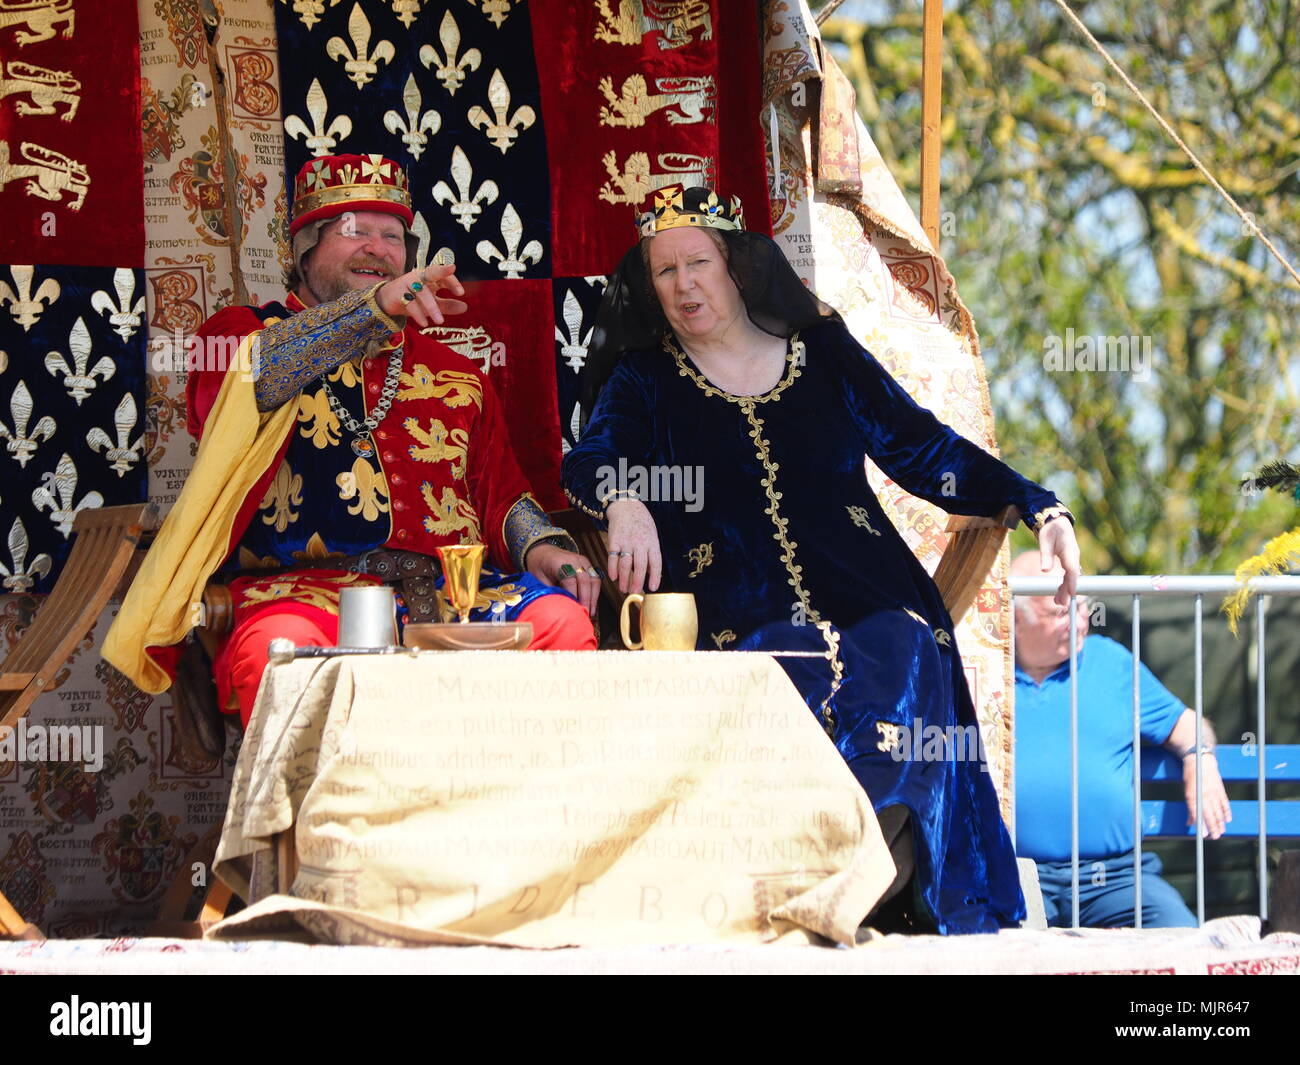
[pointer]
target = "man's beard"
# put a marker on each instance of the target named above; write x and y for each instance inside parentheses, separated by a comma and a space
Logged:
(328, 287)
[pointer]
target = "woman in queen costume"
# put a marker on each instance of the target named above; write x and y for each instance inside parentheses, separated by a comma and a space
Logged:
(709, 353)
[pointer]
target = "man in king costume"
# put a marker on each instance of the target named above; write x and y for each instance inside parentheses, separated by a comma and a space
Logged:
(356, 447)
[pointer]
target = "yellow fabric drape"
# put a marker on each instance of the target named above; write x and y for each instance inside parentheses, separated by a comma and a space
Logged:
(239, 443)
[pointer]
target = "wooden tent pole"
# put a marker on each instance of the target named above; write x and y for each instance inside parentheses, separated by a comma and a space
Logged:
(931, 97)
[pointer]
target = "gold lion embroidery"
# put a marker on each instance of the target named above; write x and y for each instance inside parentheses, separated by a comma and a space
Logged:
(691, 96)
(701, 556)
(40, 16)
(43, 86)
(439, 445)
(50, 174)
(889, 736)
(450, 514)
(366, 485)
(632, 183)
(282, 495)
(319, 424)
(721, 639)
(674, 20)
(862, 518)
(299, 593)
(454, 387)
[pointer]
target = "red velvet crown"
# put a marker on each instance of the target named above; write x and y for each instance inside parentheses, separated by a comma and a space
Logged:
(333, 184)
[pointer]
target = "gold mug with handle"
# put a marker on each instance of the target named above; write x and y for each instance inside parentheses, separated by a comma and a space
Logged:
(668, 621)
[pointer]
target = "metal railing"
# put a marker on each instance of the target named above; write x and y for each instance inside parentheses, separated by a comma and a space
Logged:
(1196, 588)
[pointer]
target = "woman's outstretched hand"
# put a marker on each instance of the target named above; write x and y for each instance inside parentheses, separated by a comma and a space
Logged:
(634, 557)
(1057, 545)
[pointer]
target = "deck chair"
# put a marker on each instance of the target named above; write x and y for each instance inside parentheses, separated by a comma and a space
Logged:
(104, 553)
(973, 546)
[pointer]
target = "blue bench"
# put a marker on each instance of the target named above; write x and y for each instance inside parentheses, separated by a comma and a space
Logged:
(1168, 817)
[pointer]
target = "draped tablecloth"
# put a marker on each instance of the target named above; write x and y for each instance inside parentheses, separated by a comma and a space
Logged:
(546, 799)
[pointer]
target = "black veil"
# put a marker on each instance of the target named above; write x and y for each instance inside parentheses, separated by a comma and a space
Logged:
(630, 318)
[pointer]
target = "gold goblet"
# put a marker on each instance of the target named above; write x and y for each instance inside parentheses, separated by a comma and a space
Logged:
(461, 566)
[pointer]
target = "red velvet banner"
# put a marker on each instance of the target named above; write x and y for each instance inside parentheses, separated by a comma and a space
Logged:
(516, 349)
(637, 96)
(70, 143)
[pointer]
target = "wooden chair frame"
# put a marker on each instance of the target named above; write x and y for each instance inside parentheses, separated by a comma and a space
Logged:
(103, 558)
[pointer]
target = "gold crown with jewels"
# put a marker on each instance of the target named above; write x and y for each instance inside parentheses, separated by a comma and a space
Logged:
(677, 205)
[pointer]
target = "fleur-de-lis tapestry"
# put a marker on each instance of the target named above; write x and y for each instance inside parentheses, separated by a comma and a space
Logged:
(72, 403)
(504, 114)
(72, 294)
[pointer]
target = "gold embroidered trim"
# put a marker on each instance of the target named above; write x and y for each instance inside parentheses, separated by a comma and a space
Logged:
(794, 359)
(582, 506)
(525, 525)
(507, 595)
(788, 546)
(862, 519)
(1047, 514)
(316, 550)
(394, 326)
(294, 351)
(832, 639)
(773, 509)
(702, 557)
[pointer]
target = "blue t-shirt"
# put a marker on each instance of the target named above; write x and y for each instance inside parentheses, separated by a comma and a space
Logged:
(1105, 752)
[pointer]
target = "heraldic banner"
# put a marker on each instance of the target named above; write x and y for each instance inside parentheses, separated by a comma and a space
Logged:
(72, 385)
(531, 134)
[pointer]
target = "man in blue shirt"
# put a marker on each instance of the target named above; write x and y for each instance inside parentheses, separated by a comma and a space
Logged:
(1106, 882)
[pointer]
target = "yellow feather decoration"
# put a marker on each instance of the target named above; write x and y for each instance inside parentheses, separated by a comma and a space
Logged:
(1278, 556)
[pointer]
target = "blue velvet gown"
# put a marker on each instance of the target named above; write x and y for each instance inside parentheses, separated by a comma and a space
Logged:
(776, 531)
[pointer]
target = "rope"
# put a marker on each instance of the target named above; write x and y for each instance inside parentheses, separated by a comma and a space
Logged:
(1246, 218)
(827, 11)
